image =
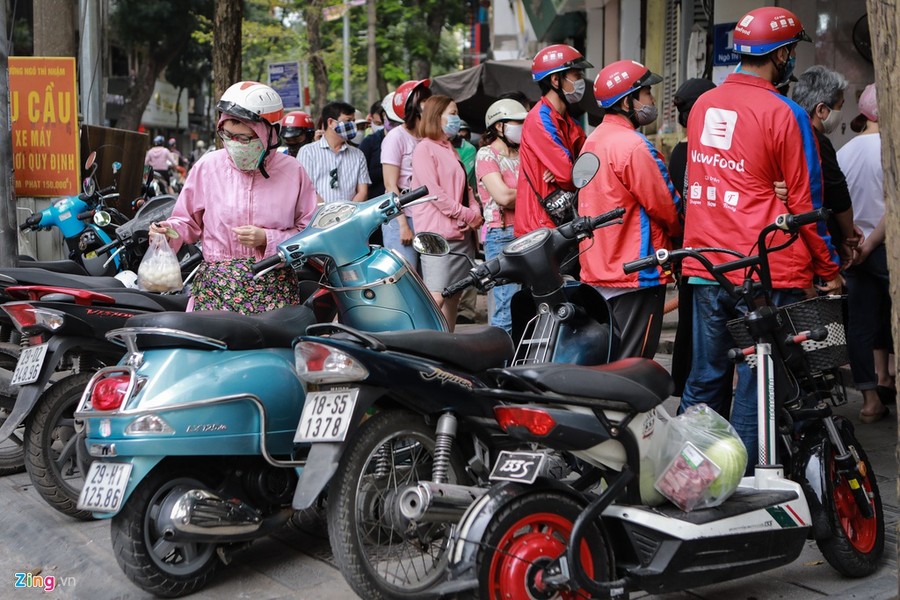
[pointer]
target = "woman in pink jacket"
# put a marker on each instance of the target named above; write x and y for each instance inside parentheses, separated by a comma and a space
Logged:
(240, 203)
(455, 213)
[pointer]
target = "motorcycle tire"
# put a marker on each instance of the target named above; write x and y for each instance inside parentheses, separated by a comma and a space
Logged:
(167, 570)
(361, 472)
(50, 438)
(534, 528)
(12, 450)
(856, 544)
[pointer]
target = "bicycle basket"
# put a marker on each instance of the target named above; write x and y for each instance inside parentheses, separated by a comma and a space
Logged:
(823, 311)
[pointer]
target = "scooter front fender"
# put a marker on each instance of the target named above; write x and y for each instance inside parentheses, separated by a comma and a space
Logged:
(28, 394)
(140, 468)
(323, 458)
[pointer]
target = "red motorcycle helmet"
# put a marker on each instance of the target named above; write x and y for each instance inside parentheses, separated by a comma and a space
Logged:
(765, 29)
(296, 123)
(556, 58)
(617, 80)
(403, 93)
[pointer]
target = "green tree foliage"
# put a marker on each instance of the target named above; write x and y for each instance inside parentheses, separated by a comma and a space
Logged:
(269, 35)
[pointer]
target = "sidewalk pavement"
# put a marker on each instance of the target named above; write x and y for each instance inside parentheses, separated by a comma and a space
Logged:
(297, 563)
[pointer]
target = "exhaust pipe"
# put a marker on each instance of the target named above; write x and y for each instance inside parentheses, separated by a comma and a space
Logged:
(198, 514)
(429, 502)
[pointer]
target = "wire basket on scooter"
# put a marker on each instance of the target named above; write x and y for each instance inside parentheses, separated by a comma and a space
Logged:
(823, 311)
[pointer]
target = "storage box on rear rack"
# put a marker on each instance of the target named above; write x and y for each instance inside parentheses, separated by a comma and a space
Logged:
(824, 311)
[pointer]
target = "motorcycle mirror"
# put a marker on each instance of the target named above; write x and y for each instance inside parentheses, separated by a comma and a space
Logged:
(584, 169)
(116, 167)
(430, 244)
(102, 218)
(92, 157)
(88, 186)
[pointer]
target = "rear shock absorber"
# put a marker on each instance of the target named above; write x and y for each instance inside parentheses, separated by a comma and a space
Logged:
(443, 444)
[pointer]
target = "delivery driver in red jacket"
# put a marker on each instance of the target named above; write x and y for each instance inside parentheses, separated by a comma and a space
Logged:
(633, 176)
(551, 138)
(742, 136)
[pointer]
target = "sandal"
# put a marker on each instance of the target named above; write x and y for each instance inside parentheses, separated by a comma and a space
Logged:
(874, 418)
(887, 395)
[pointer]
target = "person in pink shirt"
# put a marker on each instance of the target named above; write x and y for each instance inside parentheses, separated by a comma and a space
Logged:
(240, 203)
(454, 214)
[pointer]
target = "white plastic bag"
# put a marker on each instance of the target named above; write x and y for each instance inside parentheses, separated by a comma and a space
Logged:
(159, 270)
(706, 460)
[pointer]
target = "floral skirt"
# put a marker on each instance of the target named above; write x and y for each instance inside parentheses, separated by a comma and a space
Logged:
(229, 285)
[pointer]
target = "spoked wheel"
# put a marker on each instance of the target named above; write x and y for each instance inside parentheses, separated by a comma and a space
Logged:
(391, 450)
(156, 565)
(12, 451)
(50, 453)
(857, 543)
(524, 537)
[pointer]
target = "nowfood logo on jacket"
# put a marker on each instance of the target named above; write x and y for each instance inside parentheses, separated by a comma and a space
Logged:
(718, 132)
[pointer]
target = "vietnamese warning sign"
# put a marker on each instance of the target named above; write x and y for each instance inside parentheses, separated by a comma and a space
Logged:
(43, 105)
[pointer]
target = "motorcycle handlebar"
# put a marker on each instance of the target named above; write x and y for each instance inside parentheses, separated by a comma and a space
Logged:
(266, 263)
(640, 264)
(599, 220)
(86, 215)
(788, 222)
(455, 288)
(107, 247)
(31, 221)
(413, 195)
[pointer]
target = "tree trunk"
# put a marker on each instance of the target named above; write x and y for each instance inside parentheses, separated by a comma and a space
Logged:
(312, 14)
(434, 24)
(884, 23)
(142, 88)
(227, 22)
(54, 28)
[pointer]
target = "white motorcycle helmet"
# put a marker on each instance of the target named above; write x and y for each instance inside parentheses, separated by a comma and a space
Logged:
(252, 101)
(504, 110)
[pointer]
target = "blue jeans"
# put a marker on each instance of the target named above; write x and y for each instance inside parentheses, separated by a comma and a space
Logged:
(713, 308)
(501, 296)
(390, 233)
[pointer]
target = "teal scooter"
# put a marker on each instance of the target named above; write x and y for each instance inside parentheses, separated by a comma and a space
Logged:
(191, 435)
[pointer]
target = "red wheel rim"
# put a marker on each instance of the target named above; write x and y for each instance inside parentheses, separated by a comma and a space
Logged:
(532, 538)
(860, 531)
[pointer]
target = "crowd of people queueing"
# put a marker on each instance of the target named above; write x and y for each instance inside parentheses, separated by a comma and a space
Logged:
(275, 169)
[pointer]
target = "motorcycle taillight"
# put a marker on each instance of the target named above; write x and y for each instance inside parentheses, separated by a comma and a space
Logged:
(31, 320)
(109, 393)
(320, 363)
(536, 421)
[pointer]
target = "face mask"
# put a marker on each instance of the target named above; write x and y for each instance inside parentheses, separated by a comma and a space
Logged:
(512, 133)
(452, 126)
(345, 129)
(832, 121)
(246, 157)
(377, 128)
(358, 138)
(575, 96)
(646, 114)
(786, 70)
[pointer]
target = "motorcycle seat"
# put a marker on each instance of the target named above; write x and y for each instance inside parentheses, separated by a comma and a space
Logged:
(29, 276)
(639, 382)
(149, 300)
(473, 349)
(57, 266)
(273, 329)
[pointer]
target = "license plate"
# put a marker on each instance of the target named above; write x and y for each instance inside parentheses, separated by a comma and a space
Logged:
(326, 416)
(104, 487)
(523, 467)
(28, 369)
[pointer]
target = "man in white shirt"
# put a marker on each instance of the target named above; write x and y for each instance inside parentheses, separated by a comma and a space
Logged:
(337, 169)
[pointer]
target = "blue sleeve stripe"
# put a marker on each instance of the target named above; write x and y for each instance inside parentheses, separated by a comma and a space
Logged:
(814, 167)
(663, 170)
(649, 276)
(551, 128)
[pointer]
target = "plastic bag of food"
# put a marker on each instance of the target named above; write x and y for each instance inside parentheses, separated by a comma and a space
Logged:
(705, 457)
(159, 270)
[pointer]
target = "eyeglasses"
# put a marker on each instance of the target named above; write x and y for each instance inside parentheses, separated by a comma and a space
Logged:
(334, 178)
(241, 138)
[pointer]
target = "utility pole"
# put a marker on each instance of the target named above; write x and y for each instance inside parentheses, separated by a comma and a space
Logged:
(372, 77)
(89, 62)
(9, 240)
